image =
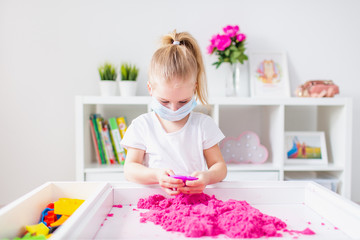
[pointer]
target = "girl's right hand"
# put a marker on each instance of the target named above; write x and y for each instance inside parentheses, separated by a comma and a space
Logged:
(168, 184)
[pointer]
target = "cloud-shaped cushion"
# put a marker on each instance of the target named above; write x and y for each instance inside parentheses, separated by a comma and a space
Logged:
(244, 149)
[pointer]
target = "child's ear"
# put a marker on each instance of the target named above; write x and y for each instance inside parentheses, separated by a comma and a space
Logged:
(149, 88)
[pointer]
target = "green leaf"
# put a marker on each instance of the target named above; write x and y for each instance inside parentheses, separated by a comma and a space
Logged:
(233, 48)
(235, 54)
(227, 52)
(129, 72)
(107, 71)
(123, 72)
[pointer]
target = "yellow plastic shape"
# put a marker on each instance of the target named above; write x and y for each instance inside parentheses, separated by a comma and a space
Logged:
(38, 229)
(67, 206)
(60, 221)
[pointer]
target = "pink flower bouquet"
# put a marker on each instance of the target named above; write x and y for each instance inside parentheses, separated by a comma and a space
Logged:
(229, 47)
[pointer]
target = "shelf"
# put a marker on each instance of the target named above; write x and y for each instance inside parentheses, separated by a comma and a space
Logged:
(114, 100)
(330, 167)
(279, 101)
(252, 167)
(269, 118)
(336, 101)
(94, 167)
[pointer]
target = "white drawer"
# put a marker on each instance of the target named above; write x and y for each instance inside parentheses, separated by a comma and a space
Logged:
(252, 176)
(104, 176)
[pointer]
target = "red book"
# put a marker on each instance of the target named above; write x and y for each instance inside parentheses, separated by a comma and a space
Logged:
(94, 141)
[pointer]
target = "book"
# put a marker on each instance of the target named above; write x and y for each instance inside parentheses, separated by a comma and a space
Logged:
(94, 141)
(94, 117)
(121, 122)
(108, 146)
(116, 139)
(99, 121)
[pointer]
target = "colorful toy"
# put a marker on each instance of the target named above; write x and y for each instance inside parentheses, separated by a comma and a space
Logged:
(54, 215)
(60, 221)
(28, 236)
(38, 229)
(244, 149)
(50, 218)
(67, 206)
(184, 178)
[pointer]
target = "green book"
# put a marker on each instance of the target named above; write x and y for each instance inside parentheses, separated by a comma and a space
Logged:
(115, 140)
(99, 121)
(93, 118)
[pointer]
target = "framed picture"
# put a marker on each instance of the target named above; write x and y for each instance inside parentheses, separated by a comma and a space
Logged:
(305, 148)
(269, 75)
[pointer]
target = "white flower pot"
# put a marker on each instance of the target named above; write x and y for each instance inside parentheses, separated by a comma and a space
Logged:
(107, 88)
(127, 88)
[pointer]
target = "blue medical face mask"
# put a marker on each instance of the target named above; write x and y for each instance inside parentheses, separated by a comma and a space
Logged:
(170, 115)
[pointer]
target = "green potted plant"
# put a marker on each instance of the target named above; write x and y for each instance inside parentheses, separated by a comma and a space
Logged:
(128, 76)
(108, 74)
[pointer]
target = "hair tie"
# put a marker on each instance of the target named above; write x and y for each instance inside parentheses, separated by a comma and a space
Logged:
(176, 43)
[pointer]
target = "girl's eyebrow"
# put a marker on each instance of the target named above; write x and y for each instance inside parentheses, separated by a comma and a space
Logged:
(186, 99)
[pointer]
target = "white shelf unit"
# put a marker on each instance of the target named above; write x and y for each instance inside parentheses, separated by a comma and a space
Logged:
(268, 117)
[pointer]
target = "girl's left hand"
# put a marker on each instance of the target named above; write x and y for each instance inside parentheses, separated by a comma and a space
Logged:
(196, 186)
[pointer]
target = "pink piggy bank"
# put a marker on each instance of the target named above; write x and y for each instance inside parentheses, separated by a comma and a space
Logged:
(317, 88)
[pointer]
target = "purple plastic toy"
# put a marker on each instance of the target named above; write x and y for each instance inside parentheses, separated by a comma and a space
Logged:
(184, 178)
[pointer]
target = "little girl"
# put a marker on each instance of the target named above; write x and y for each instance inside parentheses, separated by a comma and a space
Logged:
(172, 139)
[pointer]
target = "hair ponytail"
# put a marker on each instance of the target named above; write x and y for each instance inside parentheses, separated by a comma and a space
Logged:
(180, 56)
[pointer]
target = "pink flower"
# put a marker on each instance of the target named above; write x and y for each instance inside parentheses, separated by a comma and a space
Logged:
(240, 37)
(210, 49)
(224, 42)
(213, 44)
(215, 40)
(228, 44)
(221, 42)
(231, 31)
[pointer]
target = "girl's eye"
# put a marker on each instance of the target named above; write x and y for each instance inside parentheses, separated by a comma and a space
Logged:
(182, 102)
(165, 101)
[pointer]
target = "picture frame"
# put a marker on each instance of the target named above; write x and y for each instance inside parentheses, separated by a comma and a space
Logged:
(305, 148)
(269, 76)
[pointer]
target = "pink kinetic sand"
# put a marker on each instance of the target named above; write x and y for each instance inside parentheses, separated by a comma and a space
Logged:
(118, 206)
(306, 231)
(201, 215)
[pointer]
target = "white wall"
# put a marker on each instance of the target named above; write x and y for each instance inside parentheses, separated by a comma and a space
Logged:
(50, 50)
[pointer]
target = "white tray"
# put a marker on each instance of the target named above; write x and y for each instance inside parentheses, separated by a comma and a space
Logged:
(296, 203)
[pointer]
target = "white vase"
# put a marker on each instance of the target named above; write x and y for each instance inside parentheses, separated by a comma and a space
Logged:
(237, 83)
(127, 88)
(107, 88)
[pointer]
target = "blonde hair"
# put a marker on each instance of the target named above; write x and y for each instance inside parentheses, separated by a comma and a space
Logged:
(181, 59)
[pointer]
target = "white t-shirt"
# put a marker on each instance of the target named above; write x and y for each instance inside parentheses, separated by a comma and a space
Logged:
(181, 151)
